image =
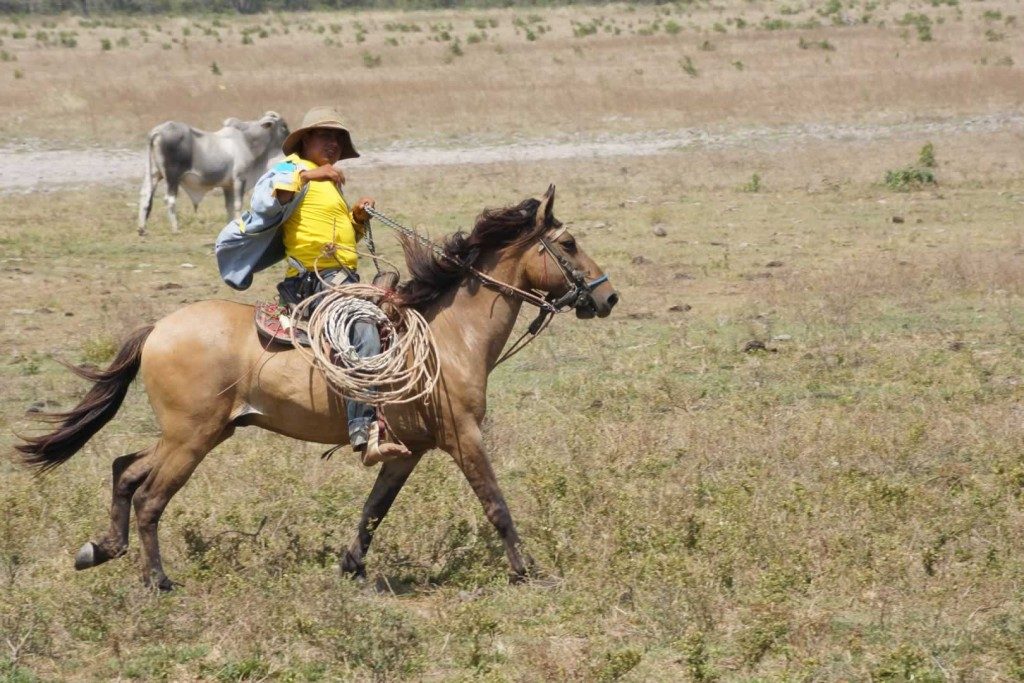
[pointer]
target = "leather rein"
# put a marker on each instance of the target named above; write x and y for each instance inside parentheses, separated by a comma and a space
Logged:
(579, 293)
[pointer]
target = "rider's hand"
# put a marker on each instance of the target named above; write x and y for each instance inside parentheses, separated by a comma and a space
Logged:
(359, 210)
(325, 172)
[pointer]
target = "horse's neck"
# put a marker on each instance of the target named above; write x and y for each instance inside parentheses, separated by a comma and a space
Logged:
(475, 325)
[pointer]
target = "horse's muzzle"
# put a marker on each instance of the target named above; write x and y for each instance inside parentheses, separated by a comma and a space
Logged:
(597, 306)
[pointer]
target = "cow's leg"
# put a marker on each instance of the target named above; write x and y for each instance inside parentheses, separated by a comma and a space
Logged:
(230, 200)
(469, 454)
(239, 196)
(390, 480)
(149, 183)
(172, 204)
(129, 472)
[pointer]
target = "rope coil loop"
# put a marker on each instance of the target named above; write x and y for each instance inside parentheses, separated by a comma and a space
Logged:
(405, 370)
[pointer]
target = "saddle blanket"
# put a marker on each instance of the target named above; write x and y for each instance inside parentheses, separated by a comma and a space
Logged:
(274, 324)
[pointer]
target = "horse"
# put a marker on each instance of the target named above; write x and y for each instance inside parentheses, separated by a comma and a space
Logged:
(207, 373)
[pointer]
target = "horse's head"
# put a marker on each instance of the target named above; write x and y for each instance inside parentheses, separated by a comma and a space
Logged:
(556, 264)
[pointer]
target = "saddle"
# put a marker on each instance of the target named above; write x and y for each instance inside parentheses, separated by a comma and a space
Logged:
(274, 324)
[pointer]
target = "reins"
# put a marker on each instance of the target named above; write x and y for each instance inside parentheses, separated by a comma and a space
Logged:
(506, 289)
(547, 309)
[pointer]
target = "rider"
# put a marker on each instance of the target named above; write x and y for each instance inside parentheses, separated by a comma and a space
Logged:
(320, 235)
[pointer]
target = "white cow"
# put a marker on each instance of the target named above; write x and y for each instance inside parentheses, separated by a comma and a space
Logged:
(232, 158)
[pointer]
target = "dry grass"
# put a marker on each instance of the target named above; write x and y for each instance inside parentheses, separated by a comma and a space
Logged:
(630, 75)
(843, 506)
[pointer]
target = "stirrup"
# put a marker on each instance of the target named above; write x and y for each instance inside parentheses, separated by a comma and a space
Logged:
(377, 451)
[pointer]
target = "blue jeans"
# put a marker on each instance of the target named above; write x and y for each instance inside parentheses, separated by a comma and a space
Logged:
(366, 341)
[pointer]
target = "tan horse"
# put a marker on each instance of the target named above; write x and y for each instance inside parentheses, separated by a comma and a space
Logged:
(206, 373)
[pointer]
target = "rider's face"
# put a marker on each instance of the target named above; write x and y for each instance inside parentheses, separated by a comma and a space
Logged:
(322, 146)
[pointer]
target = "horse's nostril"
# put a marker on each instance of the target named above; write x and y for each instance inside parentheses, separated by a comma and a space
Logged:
(612, 300)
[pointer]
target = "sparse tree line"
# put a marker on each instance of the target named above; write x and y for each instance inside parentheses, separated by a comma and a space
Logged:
(144, 7)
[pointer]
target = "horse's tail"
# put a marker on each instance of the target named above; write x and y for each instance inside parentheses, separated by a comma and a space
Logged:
(81, 423)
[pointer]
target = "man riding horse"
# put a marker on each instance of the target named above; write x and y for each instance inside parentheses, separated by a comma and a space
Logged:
(301, 199)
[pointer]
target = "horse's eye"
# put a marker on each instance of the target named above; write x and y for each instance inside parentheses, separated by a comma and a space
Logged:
(570, 246)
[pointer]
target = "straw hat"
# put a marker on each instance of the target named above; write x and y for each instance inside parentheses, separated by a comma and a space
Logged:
(321, 117)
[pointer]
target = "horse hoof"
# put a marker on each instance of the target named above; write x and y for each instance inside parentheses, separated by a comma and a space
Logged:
(86, 556)
(350, 566)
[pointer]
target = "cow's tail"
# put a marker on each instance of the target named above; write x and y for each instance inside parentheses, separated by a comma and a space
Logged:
(99, 406)
(150, 180)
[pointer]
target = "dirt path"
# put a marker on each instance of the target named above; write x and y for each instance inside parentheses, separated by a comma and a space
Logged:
(23, 171)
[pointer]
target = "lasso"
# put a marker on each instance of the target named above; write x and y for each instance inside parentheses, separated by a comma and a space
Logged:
(407, 368)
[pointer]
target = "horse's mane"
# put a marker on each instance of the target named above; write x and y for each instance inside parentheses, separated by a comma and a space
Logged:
(432, 275)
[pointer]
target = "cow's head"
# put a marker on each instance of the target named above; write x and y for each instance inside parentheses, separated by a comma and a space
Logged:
(278, 129)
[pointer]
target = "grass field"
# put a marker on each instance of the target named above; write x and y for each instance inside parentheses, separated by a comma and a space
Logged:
(844, 503)
(494, 74)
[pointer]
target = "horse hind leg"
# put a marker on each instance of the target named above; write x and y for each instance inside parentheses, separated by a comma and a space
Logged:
(129, 472)
(177, 460)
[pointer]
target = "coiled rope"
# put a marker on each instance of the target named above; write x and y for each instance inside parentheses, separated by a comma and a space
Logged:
(404, 371)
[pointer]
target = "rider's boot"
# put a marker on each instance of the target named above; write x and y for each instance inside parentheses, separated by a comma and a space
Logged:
(379, 451)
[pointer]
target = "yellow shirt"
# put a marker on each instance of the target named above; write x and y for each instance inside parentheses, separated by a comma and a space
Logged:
(323, 217)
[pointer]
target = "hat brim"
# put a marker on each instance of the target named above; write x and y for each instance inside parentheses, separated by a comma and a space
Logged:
(294, 139)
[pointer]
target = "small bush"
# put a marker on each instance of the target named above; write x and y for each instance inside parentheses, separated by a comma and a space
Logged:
(370, 60)
(926, 157)
(214, 69)
(106, 45)
(98, 350)
(617, 664)
(909, 178)
(753, 185)
(688, 66)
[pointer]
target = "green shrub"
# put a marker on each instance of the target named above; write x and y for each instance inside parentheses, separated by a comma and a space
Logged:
(99, 350)
(908, 178)
(370, 60)
(617, 664)
(926, 157)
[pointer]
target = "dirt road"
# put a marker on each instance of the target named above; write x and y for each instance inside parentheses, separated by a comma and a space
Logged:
(25, 170)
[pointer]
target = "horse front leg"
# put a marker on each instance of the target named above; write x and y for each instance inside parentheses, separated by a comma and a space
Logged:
(470, 456)
(390, 480)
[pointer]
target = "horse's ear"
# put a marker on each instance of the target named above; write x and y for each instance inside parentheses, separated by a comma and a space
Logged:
(545, 211)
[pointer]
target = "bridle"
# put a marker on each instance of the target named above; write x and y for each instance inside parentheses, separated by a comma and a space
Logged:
(580, 289)
(579, 294)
